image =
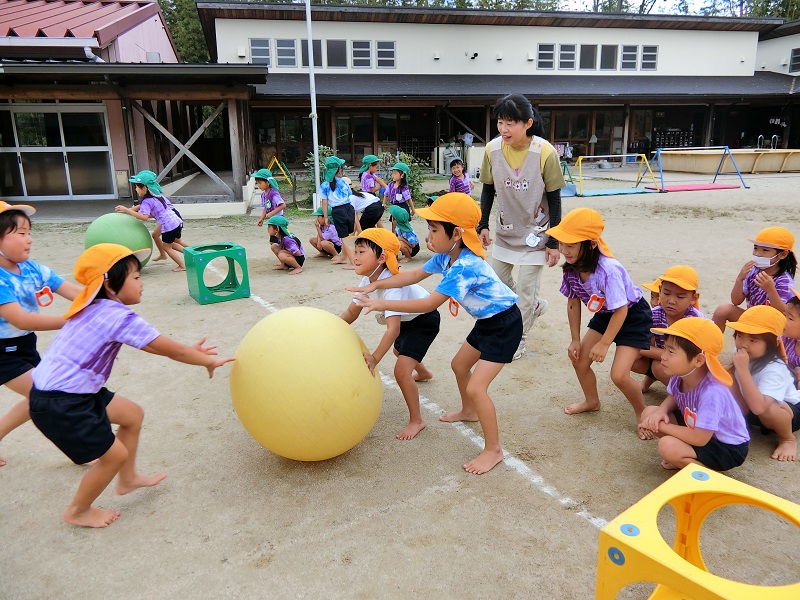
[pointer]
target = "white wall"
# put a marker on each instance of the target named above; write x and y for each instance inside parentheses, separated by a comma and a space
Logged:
(772, 53)
(712, 53)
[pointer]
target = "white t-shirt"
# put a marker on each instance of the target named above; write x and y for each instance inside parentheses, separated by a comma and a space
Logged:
(360, 204)
(409, 292)
(776, 381)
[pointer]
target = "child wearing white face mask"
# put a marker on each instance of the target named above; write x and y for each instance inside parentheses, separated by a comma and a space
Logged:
(766, 279)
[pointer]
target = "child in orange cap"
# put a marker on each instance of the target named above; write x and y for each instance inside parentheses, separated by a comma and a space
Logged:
(621, 315)
(69, 404)
(411, 333)
(678, 299)
(470, 282)
(699, 422)
(766, 386)
(791, 334)
(766, 279)
(654, 287)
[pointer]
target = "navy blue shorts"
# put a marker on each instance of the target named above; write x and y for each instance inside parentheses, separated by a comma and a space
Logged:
(715, 454)
(171, 236)
(344, 220)
(17, 356)
(635, 331)
(371, 215)
(497, 337)
(754, 420)
(76, 423)
(417, 335)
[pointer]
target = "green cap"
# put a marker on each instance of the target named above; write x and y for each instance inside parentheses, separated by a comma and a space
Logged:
(266, 175)
(367, 161)
(401, 166)
(318, 211)
(332, 166)
(280, 222)
(147, 179)
(401, 217)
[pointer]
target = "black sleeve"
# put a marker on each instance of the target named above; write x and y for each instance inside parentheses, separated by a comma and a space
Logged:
(554, 206)
(487, 200)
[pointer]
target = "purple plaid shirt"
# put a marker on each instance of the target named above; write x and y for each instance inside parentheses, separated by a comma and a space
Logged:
(398, 196)
(329, 233)
(660, 320)
(164, 215)
(291, 244)
(791, 351)
(607, 289)
(368, 181)
(460, 185)
(271, 200)
(756, 296)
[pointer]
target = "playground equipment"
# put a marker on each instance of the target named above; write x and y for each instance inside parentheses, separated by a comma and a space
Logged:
(632, 550)
(197, 260)
(685, 159)
(569, 190)
(643, 169)
(277, 166)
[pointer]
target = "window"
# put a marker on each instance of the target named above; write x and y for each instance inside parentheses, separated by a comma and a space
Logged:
(386, 52)
(362, 54)
(316, 49)
(649, 58)
(794, 64)
(566, 56)
(589, 57)
(546, 56)
(259, 52)
(286, 53)
(337, 53)
(630, 56)
(608, 57)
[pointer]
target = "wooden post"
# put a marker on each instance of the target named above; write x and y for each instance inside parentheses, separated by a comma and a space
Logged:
(236, 155)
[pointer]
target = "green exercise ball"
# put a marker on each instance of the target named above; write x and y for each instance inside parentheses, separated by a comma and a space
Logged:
(119, 228)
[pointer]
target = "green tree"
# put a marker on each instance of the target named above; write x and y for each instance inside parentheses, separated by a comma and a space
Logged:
(184, 25)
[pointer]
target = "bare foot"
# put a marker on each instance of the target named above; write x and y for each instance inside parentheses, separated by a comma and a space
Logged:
(579, 407)
(321, 255)
(2, 462)
(410, 431)
(140, 481)
(94, 517)
(423, 374)
(160, 257)
(278, 264)
(668, 465)
(484, 462)
(406, 259)
(296, 271)
(646, 383)
(786, 450)
(281, 268)
(349, 267)
(178, 269)
(337, 261)
(459, 415)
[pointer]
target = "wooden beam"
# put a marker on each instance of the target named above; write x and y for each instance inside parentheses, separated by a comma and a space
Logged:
(236, 155)
(464, 125)
(211, 94)
(182, 149)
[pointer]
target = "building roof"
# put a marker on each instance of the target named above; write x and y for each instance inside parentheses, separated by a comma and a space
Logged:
(610, 89)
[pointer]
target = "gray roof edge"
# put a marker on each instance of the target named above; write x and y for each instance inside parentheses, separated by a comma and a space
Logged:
(62, 68)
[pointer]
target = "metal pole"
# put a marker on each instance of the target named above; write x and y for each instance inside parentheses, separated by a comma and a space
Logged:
(313, 92)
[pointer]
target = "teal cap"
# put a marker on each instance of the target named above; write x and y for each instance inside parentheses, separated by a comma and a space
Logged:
(367, 161)
(147, 179)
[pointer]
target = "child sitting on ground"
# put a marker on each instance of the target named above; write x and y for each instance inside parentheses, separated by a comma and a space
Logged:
(791, 334)
(766, 389)
(409, 243)
(411, 333)
(699, 422)
(289, 250)
(678, 298)
(326, 241)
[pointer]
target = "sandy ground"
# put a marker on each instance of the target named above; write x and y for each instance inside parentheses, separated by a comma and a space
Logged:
(388, 519)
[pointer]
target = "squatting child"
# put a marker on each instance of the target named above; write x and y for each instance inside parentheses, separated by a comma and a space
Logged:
(409, 242)
(326, 241)
(271, 201)
(289, 249)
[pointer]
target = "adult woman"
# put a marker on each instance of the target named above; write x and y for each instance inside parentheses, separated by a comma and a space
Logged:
(528, 189)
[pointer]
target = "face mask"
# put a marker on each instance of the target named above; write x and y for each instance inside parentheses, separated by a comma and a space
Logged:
(689, 373)
(764, 262)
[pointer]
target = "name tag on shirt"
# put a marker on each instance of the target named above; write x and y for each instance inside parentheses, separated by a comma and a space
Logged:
(44, 297)
(595, 303)
(690, 418)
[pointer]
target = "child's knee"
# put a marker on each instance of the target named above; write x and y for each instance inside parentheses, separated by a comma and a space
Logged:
(621, 377)
(669, 447)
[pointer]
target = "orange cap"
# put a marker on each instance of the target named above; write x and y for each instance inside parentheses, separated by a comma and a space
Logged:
(775, 237)
(761, 319)
(92, 267)
(654, 287)
(460, 210)
(685, 277)
(25, 208)
(579, 225)
(706, 336)
(388, 243)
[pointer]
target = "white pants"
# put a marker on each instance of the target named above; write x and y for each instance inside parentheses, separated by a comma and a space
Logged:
(529, 279)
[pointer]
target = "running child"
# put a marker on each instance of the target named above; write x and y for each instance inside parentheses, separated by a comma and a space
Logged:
(791, 334)
(460, 181)
(335, 195)
(766, 279)
(409, 242)
(766, 388)
(271, 201)
(370, 181)
(468, 281)
(326, 241)
(411, 333)
(69, 404)
(620, 314)
(699, 422)
(289, 249)
(25, 286)
(678, 298)
(153, 204)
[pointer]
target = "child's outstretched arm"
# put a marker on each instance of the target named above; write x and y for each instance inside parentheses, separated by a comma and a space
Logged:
(69, 290)
(395, 281)
(350, 313)
(21, 319)
(419, 305)
(198, 354)
(131, 212)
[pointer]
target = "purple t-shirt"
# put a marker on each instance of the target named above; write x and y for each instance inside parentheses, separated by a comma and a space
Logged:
(79, 359)
(164, 215)
(291, 244)
(329, 233)
(607, 289)
(756, 296)
(660, 320)
(460, 185)
(398, 196)
(271, 200)
(711, 406)
(791, 351)
(368, 181)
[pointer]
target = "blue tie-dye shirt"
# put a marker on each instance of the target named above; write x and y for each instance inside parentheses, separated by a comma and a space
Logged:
(33, 278)
(472, 283)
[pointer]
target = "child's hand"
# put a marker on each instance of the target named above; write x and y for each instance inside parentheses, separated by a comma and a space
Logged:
(260, 222)
(204, 349)
(746, 269)
(765, 282)
(217, 362)
(649, 425)
(370, 287)
(371, 364)
(598, 352)
(367, 303)
(486, 238)
(574, 350)
(122, 209)
(741, 360)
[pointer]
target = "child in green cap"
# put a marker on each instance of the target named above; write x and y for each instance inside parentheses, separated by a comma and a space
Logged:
(289, 250)
(271, 200)
(409, 242)
(326, 241)
(370, 182)
(397, 192)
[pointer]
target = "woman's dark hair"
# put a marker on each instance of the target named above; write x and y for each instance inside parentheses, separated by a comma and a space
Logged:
(788, 264)
(9, 221)
(118, 273)
(369, 244)
(773, 353)
(687, 346)
(517, 107)
(587, 259)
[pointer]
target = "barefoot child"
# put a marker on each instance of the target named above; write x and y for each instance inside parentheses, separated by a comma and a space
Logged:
(621, 315)
(289, 250)
(335, 195)
(326, 241)
(766, 279)
(678, 298)
(271, 201)
(409, 243)
(768, 395)
(25, 285)
(69, 404)
(699, 422)
(153, 204)
(410, 333)
(468, 281)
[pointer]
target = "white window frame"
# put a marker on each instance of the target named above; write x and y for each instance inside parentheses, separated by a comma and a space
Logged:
(304, 48)
(580, 58)
(380, 54)
(327, 54)
(567, 54)
(546, 56)
(630, 58)
(616, 57)
(363, 53)
(264, 55)
(649, 58)
(794, 60)
(285, 54)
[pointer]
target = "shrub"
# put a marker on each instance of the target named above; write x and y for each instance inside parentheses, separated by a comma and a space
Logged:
(308, 163)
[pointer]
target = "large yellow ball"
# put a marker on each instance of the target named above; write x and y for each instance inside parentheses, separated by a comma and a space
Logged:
(300, 385)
